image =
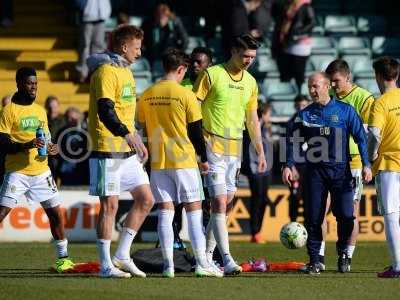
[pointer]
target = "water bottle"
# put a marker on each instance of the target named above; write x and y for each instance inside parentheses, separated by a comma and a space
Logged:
(40, 134)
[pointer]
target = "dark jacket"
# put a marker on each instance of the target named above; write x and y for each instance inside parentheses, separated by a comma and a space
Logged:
(301, 26)
(320, 126)
(158, 39)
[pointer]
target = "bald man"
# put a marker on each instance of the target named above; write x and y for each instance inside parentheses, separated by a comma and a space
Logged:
(326, 126)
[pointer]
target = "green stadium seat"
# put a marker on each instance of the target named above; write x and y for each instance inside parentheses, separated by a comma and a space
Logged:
(142, 83)
(264, 66)
(371, 25)
(351, 59)
(370, 85)
(141, 68)
(385, 46)
(309, 68)
(362, 69)
(283, 108)
(304, 89)
(136, 21)
(194, 41)
(323, 45)
(141, 65)
(320, 62)
(340, 25)
(274, 89)
(110, 24)
(353, 45)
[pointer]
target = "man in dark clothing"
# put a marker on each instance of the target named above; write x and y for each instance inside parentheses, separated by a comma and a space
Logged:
(243, 17)
(326, 126)
(163, 30)
(291, 41)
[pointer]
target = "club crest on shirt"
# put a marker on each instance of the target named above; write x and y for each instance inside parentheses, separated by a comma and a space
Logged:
(127, 93)
(29, 123)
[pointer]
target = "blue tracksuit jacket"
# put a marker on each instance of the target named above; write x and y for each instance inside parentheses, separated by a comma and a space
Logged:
(326, 130)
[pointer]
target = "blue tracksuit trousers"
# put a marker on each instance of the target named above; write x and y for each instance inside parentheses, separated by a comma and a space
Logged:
(319, 180)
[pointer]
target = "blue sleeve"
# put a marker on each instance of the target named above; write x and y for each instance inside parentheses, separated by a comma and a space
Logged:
(291, 127)
(357, 130)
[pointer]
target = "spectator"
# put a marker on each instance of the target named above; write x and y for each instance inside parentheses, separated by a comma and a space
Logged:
(6, 13)
(243, 17)
(291, 41)
(258, 182)
(163, 30)
(72, 140)
(54, 117)
(93, 13)
(56, 121)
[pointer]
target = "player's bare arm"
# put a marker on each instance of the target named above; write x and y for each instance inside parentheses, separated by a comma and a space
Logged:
(253, 126)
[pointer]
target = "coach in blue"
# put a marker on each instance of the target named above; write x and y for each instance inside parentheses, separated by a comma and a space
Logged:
(325, 126)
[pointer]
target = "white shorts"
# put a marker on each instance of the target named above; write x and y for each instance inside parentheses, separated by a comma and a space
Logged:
(176, 185)
(37, 188)
(223, 173)
(111, 176)
(358, 184)
(388, 191)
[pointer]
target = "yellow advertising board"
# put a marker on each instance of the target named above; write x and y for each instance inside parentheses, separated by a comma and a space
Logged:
(277, 214)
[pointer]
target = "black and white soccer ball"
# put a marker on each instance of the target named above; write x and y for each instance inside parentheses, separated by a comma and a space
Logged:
(293, 235)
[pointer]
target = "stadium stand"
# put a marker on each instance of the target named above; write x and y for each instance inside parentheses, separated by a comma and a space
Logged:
(383, 45)
(142, 69)
(320, 62)
(323, 45)
(353, 45)
(353, 30)
(371, 25)
(340, 25)
(41, 38)
(195, 41)
(369, 84)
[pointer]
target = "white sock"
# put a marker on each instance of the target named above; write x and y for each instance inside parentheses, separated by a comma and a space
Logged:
(211, 243)
(350, 250)
(166, 236)
(61, 248)
(103, 247)
(322, 249)
(196, 235)
(125, 242)
(221, 235)
(392, 231)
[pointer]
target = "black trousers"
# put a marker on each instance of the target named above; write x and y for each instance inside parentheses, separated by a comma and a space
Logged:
(292, 67)
(297, 195)
(259, 199)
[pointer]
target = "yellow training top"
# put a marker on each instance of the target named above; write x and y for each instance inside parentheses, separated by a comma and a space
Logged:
(166, 108)
(21, 122)
(118, 85)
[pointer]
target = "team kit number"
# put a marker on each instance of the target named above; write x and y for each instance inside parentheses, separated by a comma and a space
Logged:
(324, 131)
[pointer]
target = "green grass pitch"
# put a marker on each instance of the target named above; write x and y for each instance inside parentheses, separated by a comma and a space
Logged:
(24, 275)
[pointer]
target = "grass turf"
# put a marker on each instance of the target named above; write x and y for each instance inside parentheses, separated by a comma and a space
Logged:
(24, 275)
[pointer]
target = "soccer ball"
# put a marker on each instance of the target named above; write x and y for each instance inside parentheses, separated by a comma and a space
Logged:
(293, 235)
